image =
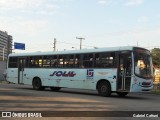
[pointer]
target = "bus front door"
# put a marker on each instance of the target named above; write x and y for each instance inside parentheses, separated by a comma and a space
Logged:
(21, 65)
(124, 72)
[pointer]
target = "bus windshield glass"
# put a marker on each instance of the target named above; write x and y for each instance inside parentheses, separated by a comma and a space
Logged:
(143, 64)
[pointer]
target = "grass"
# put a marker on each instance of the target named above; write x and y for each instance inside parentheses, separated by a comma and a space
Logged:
(3, 81)
(156, 88)
(156, 91)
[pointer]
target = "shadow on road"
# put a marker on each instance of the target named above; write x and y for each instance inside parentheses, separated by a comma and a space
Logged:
(132, 96)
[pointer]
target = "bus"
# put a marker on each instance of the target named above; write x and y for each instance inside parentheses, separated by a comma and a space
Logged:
(110, 70)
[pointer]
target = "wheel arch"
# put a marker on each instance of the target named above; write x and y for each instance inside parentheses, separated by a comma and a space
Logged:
(103, 80)
(36, 77)
(37, 83)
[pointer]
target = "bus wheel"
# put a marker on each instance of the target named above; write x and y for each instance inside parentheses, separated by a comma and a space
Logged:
(122, 94)
(37, 85)
(104, 89)
(55, 88)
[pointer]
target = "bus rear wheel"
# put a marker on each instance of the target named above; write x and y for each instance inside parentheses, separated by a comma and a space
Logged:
(122, 94)
(104, 89)
(55, 88)
(37, 85)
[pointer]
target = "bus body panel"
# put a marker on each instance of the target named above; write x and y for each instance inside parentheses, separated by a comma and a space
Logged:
(12, 75)
(71, 78)
(140, 84)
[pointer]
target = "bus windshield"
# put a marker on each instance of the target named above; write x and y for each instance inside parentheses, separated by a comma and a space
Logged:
(143, 65)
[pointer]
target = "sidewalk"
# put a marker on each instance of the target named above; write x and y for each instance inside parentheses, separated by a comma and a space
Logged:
(156, 86)
(4, 82)
(156, 89)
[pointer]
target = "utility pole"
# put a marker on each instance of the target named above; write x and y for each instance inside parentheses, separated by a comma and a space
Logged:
(80, 41)
(55, 41)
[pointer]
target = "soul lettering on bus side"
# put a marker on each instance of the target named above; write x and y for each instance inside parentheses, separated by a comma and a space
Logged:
(63, 73)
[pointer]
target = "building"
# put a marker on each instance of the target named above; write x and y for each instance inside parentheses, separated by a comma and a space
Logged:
(5, 45)
(5, 49)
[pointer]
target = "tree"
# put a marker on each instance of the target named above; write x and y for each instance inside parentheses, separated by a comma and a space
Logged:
(156, 56)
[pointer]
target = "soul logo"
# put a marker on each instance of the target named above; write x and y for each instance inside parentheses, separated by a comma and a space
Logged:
(63, 73)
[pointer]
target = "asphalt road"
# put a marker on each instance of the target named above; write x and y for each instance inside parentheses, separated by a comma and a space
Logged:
(23, 98)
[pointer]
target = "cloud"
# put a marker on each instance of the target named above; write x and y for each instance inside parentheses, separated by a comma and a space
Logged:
(143, 19)
(30, 6)
(19, 4)
(104, 1)
(134, 2)
(126, 2)
(18, 25)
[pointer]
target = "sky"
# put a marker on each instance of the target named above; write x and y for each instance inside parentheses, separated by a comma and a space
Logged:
(103, 23)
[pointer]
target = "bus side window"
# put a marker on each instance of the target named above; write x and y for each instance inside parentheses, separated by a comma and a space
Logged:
(46, 62)
(68, 61)
(88, 60)
(85, 58)
(96, 61)
(107, 60)
(35, 62)
(60, 61)
(31, 62)
(13, 62)
(71, 61)
(54, 61)
(78, 61)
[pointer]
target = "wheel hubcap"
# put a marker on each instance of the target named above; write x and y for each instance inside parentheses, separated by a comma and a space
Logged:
(103, 88)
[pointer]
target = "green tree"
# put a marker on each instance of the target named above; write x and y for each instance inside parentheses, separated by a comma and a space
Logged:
(156, 56)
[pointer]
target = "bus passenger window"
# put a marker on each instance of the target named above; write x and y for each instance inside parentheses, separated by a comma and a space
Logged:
(96, 61)
(78, 61)
(46, 61)
(88, 60)
(13, 62)
(54, 61)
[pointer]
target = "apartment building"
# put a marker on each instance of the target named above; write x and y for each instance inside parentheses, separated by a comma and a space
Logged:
(5, 45)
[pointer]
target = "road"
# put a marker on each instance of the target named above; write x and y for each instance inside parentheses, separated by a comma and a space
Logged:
(23, 98)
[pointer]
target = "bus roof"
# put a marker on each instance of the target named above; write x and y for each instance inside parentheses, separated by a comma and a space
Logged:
(122, 48)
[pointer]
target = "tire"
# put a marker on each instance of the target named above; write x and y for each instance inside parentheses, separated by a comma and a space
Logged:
(122, 94)
(37, 85)
(55, 88)
(104, 89)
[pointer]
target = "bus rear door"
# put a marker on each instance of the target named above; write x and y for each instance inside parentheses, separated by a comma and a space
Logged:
(21, 65)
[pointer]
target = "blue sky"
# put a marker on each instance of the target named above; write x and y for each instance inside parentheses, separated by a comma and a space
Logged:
(103, 23)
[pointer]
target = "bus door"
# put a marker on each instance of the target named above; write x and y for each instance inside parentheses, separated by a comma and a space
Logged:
(21, 65)
(124, 71)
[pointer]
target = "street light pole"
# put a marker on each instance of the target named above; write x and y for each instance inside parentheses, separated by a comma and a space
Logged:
(80, 41)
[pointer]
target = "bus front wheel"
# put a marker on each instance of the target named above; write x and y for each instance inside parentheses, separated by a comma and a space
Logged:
(104, 89)
(37, 85)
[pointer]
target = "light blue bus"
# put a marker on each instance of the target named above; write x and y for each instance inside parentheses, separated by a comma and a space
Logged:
(108, 70)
